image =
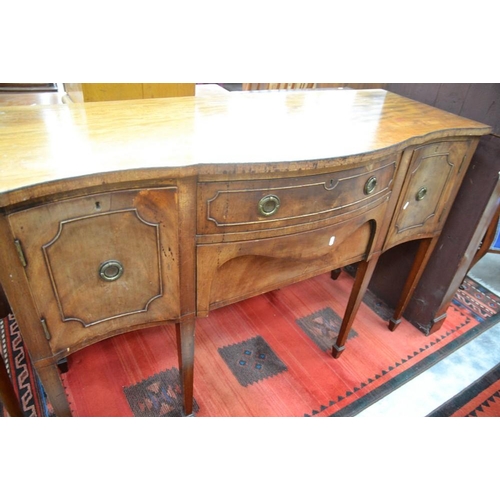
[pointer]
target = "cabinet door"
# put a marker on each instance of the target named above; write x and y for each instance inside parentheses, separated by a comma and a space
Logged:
(434, 175)
(101, 264)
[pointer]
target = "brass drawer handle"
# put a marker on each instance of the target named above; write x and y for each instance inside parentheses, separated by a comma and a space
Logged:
(370, 185)
(110, 270)
(421, 194)
(269, 205)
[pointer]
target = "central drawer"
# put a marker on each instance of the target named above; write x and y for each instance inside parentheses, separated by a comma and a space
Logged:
(268, 204)
(233, 271)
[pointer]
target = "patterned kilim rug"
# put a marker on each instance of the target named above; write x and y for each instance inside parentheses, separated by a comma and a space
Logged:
(480, 399)
(25, 380)
(266, 356)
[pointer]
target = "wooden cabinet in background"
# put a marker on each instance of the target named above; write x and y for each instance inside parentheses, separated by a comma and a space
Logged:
(95, 92)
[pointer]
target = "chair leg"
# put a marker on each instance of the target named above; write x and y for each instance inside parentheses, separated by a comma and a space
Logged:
(487, 240)
(361, 281)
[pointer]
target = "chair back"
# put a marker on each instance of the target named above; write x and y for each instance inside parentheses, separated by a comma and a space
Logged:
(278, 86)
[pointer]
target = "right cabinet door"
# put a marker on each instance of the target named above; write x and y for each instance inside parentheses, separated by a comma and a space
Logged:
(434, 175)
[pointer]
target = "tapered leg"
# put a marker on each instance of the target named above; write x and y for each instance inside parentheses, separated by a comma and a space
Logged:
(49, 376)
(423, 254)
(7, 393)
(363, 276)
(185, 350)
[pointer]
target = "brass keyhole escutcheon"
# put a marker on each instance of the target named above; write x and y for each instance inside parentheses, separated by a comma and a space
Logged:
(370, 185)
(110, 270)
(421, 193)
(269, 205)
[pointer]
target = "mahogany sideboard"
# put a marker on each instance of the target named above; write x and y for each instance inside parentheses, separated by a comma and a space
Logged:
(119, 215)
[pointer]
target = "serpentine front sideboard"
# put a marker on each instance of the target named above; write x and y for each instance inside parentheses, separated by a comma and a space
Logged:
(120, 215)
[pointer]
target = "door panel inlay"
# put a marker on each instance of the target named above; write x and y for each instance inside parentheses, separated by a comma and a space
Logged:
(75, 259)
(422, 202)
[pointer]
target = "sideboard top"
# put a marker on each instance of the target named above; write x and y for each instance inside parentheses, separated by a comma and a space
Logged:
(54, 146)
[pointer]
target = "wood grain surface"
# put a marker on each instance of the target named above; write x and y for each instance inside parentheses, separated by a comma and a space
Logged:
(204, 135)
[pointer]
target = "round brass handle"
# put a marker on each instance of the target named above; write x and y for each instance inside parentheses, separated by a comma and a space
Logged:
(421, 193)
(269, 205)
(370, 185)
(110, 270)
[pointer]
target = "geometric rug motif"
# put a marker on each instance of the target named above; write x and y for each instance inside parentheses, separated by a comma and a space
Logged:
(157, 396)
(400, 363)
(252, 360)
(394, 382)
(26, 384)
(322, 328)
(477, 299)
(488, 408)
(479, 399)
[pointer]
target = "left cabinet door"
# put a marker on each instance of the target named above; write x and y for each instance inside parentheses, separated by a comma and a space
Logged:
(102, 264)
